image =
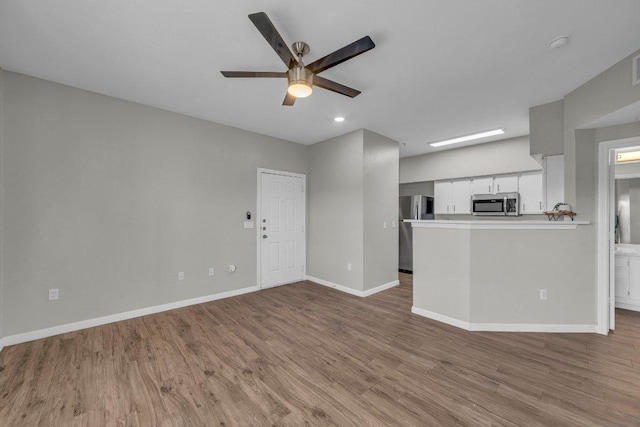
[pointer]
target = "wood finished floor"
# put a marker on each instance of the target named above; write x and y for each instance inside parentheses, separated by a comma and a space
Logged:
(304, 354)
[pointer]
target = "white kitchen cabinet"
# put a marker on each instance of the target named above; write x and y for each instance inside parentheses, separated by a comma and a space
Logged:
(553, 180)
(452, 197)
(461, 196)
(627, 280)
(505, 184)
(482, 185)
(531, 194)
(442, 197)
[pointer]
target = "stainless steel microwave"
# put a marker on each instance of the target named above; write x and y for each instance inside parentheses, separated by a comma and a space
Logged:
(500, 204)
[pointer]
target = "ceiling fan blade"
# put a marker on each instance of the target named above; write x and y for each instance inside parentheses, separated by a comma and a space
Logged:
(335, 87)
(289, 99)
(252, 74)
(269, 32)
(341, 55)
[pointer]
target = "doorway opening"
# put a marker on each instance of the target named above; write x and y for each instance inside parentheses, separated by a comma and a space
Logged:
(610, 266)
(280, 231)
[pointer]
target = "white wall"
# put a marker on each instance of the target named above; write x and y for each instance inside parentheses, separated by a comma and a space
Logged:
(506, 156)
(108, 200)
(380, 188)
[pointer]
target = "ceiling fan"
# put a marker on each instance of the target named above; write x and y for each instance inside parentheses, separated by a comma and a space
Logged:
(302, 77)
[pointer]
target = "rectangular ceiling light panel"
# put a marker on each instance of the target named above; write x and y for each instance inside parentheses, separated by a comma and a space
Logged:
(466, 138)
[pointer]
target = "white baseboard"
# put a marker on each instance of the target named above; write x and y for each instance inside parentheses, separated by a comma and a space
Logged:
(89, 323)
(380, 288)
(626, 306)
(441, 318)
(352, 291)
(505, 327)
(334, 286)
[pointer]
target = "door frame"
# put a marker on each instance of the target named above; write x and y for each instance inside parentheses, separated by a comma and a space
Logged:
(259, 215)
(606, 252)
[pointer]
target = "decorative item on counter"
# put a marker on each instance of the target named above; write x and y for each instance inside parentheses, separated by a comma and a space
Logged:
(560, 211)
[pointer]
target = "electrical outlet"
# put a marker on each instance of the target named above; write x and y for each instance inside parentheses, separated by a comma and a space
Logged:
(211, 271)
(393, 224)
(348, 266)
(384, 224)
(181, 275)
(543, 294)
(53, 294)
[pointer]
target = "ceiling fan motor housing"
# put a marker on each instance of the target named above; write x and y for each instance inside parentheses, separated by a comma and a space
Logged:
(300, 81)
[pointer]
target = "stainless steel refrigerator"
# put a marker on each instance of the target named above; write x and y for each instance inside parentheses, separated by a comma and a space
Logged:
(411, 207)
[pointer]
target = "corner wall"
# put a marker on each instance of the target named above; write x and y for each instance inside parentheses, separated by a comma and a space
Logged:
(1, 206)
(335, 215)
(380, 205)
(108, 200)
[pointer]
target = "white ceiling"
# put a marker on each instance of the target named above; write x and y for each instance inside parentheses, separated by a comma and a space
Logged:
(440, 68)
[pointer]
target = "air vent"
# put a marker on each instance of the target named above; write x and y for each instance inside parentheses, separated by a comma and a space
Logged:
(636, 70)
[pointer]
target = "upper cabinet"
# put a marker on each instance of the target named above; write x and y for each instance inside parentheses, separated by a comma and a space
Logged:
(482, 185)
(442, 197)
(505, 184)
(531, 193)
(461, 196)
(539, 190)
(452, 197)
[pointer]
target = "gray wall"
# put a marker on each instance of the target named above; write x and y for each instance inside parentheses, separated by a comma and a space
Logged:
(417, 188)
(108, 200)
(495, 276)
(336, 223)
(508, 292)
(380, 205)
(1, 202)
(546, 129)
(441, 271)
(506, 156)
(606, 93)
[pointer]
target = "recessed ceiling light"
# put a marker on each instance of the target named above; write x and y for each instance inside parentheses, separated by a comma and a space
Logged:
(339, 119)
(471, 137)
(558, 42)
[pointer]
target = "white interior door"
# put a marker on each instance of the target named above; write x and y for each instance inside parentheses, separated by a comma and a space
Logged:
(281, 227)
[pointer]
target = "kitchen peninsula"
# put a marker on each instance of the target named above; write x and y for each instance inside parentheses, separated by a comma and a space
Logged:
(503, 275)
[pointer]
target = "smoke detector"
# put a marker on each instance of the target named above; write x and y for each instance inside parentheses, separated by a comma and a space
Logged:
(558, 42)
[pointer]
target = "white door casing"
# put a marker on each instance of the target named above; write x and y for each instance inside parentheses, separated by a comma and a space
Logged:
(606, 252)
(281, 228)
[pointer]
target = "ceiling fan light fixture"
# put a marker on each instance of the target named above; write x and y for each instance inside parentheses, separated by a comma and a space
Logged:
(300, 82)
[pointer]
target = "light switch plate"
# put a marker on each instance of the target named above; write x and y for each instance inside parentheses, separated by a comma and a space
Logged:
(248, 224)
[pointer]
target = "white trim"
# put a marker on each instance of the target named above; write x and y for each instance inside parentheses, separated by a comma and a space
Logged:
(627, 175)
(90, 323)
(497, 224)
(504, 327)
(635, 74)
(627, 306)
(259, 226)
(334, 285)
(380, 288)
(534, 327)
(352, 291)
(606, 251)
(441, 318)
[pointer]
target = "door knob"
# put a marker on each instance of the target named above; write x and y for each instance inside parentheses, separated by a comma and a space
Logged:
(264, 236)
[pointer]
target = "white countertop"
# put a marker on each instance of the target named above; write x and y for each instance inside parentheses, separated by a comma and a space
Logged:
(497, 224)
